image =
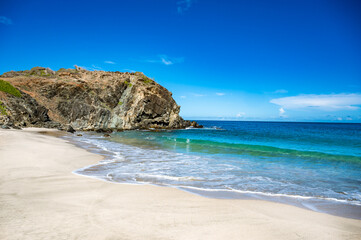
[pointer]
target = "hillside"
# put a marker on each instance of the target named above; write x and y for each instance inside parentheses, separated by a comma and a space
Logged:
(86, 100)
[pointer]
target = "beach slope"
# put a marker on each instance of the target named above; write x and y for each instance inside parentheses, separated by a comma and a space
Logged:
(40, 198)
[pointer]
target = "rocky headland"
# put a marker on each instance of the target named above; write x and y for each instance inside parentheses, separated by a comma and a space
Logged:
(85, 100)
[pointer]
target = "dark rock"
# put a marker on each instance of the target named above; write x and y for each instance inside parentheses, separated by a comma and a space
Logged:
(195, 125)
(52, 124)
(24, 111)
(70, 129)
(104, 131)
(106, 135)
(79, 135)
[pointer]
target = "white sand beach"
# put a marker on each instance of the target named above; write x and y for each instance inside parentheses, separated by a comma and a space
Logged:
(40, 198)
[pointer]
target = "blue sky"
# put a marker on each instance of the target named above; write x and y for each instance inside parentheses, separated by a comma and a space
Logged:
(289, 60)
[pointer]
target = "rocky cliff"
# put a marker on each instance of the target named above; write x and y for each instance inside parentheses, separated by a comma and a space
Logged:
(87, 100)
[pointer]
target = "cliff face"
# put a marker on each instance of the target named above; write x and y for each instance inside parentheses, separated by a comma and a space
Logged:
(89, 100)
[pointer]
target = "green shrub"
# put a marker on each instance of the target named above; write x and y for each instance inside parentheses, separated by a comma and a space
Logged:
(43, 73)
(3, 109)
(128, 83)
(147, 80)
(8, 88)
(120, 103)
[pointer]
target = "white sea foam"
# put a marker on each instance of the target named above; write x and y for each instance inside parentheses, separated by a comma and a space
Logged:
(136, 165)
(173, 178)
(204, 128)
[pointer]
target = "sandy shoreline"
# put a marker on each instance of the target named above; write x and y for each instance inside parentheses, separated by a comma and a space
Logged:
(40, 198)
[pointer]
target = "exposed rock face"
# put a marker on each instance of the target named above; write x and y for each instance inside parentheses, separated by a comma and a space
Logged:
(24, 111)
(90, 100)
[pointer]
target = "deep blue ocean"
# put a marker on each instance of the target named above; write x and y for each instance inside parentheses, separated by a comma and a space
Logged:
(313, 165)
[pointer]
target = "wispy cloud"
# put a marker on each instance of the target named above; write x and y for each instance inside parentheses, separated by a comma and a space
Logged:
(109, 62)
(184, 5)
(329, 102)
(281, 91)
(95, 67)
(220, 94)
(240, 114)
(5, 20)
(164, 59)
(183, 96)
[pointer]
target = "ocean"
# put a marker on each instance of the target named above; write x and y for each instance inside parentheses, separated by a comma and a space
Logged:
(311, 165)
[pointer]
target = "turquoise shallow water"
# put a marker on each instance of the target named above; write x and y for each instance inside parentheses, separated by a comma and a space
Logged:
(318, 164)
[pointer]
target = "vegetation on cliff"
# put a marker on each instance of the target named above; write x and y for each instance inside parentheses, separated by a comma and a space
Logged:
(2, 109)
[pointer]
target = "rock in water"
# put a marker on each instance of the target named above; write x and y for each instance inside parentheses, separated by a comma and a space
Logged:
(90, 100)
(195, 125)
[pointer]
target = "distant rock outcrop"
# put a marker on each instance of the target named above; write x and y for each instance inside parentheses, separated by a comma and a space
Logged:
(88, 100)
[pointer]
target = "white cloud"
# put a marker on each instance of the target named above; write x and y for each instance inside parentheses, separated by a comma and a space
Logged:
(184, 5)
(282, 111)
(5, 20)
(109, 62)
(220, 94)
(240, 114)
(281, 91)
(329, 102)
(164, 59)
(183, 96)
(339, 118)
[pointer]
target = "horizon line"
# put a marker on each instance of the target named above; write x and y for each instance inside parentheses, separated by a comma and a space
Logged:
(275, 121)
